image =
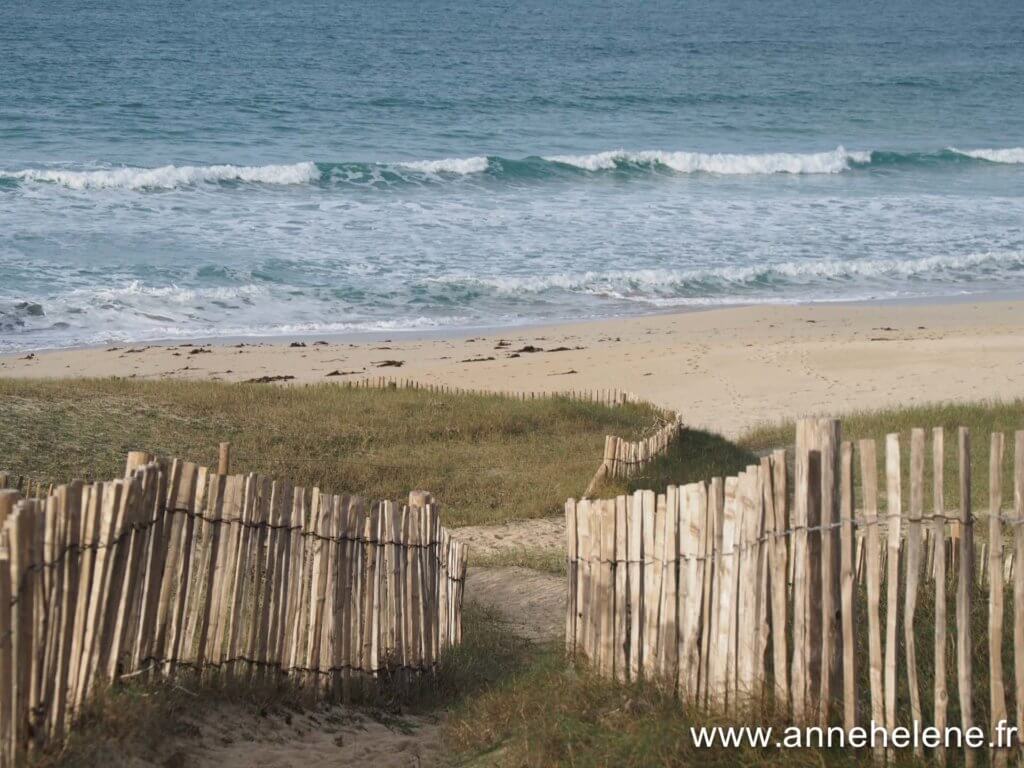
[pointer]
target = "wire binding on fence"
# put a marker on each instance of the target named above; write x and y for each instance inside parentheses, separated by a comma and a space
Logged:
(748, 589)
(177, 567)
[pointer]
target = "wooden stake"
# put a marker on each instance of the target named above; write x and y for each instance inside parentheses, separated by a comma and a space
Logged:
(224, 459)
(914, 573)
(799, 682)
(941, 693)
(869, 488)
(846, 567)
(621, 661)
(997, 693)
(571, 568)
(964, 592)
(1018, 582)
(894, 514)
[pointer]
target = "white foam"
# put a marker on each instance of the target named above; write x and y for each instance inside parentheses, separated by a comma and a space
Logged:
(457, 165)
(836, 161)
(657, 285)
(134, 291)
(1012, 155)
(168, 176)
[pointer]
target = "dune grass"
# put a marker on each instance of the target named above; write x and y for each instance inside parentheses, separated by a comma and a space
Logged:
(550, 712)
(982, 418)
(508, 702)
(555, 713)
(543, 559)
(485, 458)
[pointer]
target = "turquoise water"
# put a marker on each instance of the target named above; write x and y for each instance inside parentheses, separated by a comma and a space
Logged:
(174, 169)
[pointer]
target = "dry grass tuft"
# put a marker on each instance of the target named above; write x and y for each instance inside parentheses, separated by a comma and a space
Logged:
(486, 458)
(983, 418)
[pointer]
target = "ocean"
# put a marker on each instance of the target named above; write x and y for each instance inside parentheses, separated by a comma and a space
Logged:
(215, 169)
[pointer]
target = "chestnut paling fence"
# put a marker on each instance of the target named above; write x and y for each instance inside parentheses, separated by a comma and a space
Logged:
(625, 458)
(608, 397)
(177, 569)
(814, 595)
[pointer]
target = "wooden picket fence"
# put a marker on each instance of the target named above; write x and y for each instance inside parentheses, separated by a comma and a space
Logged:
(757, 590)
(608, 397)
(625, 458)
(24, 485)
(176, 569)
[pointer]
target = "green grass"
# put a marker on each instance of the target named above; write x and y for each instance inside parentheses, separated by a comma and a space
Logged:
(509, 703)
(485, 458)
(552, 713)
(544, 559)
(982, 418)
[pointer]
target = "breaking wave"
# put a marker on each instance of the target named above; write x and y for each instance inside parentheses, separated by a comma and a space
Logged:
(454, 169)
(734, 283)
(1013, 155)
(168, 176)
(835, 161)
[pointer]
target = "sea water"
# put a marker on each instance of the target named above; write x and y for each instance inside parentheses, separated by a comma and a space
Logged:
(219, 168)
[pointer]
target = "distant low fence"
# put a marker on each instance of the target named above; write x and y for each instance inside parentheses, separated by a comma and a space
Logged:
(608, 397)
(625, 458)
(741, 592)
(177, 568)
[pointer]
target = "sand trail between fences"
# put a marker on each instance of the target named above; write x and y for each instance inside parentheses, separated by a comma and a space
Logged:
(237, 737)
(539, 533)
(531, 602)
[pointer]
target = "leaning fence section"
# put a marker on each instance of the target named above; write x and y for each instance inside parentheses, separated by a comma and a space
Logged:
(626, 458)
(802, 591)
(176, 568)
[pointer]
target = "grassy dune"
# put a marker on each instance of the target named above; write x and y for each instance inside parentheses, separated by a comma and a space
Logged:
(554, 713)
(982, 418)
(486, 458)
(489, 459)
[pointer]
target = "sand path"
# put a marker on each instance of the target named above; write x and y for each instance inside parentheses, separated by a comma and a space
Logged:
(540, 533)
(238, 737)
(533, 603)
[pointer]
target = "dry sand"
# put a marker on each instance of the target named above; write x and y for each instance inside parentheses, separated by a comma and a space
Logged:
(724, 369)
(240, 737)
(538, 533)
(531, 603)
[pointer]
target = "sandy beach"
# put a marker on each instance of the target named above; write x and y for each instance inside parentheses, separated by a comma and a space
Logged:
(724, 369)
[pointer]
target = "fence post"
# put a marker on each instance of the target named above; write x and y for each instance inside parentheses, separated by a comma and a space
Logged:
(997, 693)
(621, 662)
(913, 571)
(894, 516)
(869, 485)
(571, 571)
(8, 499)
(941, 693)
(846, 567)
(965, 591)
(1018, 578)
(224, 459)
